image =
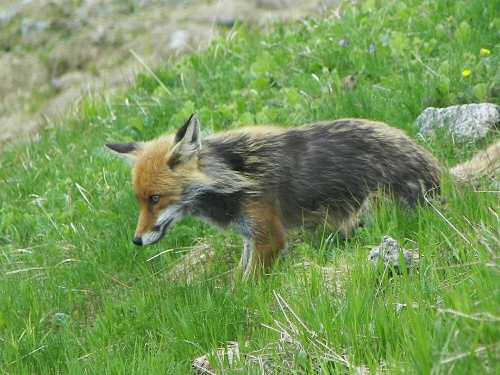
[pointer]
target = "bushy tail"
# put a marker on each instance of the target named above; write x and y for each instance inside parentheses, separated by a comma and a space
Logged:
(486, 162)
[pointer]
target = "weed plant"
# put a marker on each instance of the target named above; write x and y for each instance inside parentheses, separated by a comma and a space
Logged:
(77, 297)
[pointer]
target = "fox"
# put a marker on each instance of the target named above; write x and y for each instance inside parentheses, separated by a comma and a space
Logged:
(264, 181)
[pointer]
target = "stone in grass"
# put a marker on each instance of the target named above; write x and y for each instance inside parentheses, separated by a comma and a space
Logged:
(231, 354)
(31, 27)
(62, 318)
(465, 123)
(388, 251)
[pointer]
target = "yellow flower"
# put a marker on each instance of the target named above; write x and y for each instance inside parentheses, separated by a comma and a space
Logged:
(466, 73)
(485, 52)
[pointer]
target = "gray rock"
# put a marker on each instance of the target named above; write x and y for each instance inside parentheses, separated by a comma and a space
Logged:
(72, 79)
(465, 123)
(231, 351)
(62, 318)
(100, 36)
(179, 40)
(32, 27)
(388, 252)
(10, 12)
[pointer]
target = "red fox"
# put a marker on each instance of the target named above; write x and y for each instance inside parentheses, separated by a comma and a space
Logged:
(264, 181)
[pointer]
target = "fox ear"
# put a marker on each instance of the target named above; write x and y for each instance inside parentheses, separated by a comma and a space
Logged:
(187, 142)
(126, 151)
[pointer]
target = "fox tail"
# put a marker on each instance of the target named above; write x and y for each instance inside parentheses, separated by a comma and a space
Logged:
(485, 163)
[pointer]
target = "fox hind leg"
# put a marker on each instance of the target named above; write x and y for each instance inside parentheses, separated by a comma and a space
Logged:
(347, 223)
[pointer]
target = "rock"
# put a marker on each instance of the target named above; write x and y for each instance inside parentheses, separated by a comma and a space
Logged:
(179, 40)
(31, 27)
(100, 36)
(465, 123)
(62, 318)
(71, 79)
(230, 353)
(388, 251)
(7, 14)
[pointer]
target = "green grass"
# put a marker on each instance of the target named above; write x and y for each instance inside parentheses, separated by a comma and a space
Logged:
(77, 297)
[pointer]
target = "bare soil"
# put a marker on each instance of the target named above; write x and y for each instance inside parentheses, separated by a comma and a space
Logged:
(54, 52)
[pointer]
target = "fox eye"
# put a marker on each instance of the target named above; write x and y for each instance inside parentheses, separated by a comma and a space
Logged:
(153, 199)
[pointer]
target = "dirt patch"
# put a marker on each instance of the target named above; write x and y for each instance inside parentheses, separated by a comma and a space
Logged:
(55, 51)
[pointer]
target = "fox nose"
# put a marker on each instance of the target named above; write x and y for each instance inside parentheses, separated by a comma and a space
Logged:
(137, 241)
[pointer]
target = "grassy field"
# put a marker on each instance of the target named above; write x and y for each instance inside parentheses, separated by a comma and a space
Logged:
(77, 297)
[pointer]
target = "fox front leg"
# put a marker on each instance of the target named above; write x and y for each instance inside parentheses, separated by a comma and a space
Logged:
(266, 242)
(247, 254)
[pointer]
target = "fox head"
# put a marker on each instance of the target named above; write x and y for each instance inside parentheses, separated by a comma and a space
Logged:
(163, 170)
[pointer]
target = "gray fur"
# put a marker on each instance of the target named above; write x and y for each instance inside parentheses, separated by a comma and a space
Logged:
(330, 167)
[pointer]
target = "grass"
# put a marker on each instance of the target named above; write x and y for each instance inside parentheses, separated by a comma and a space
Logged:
(77, 297)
